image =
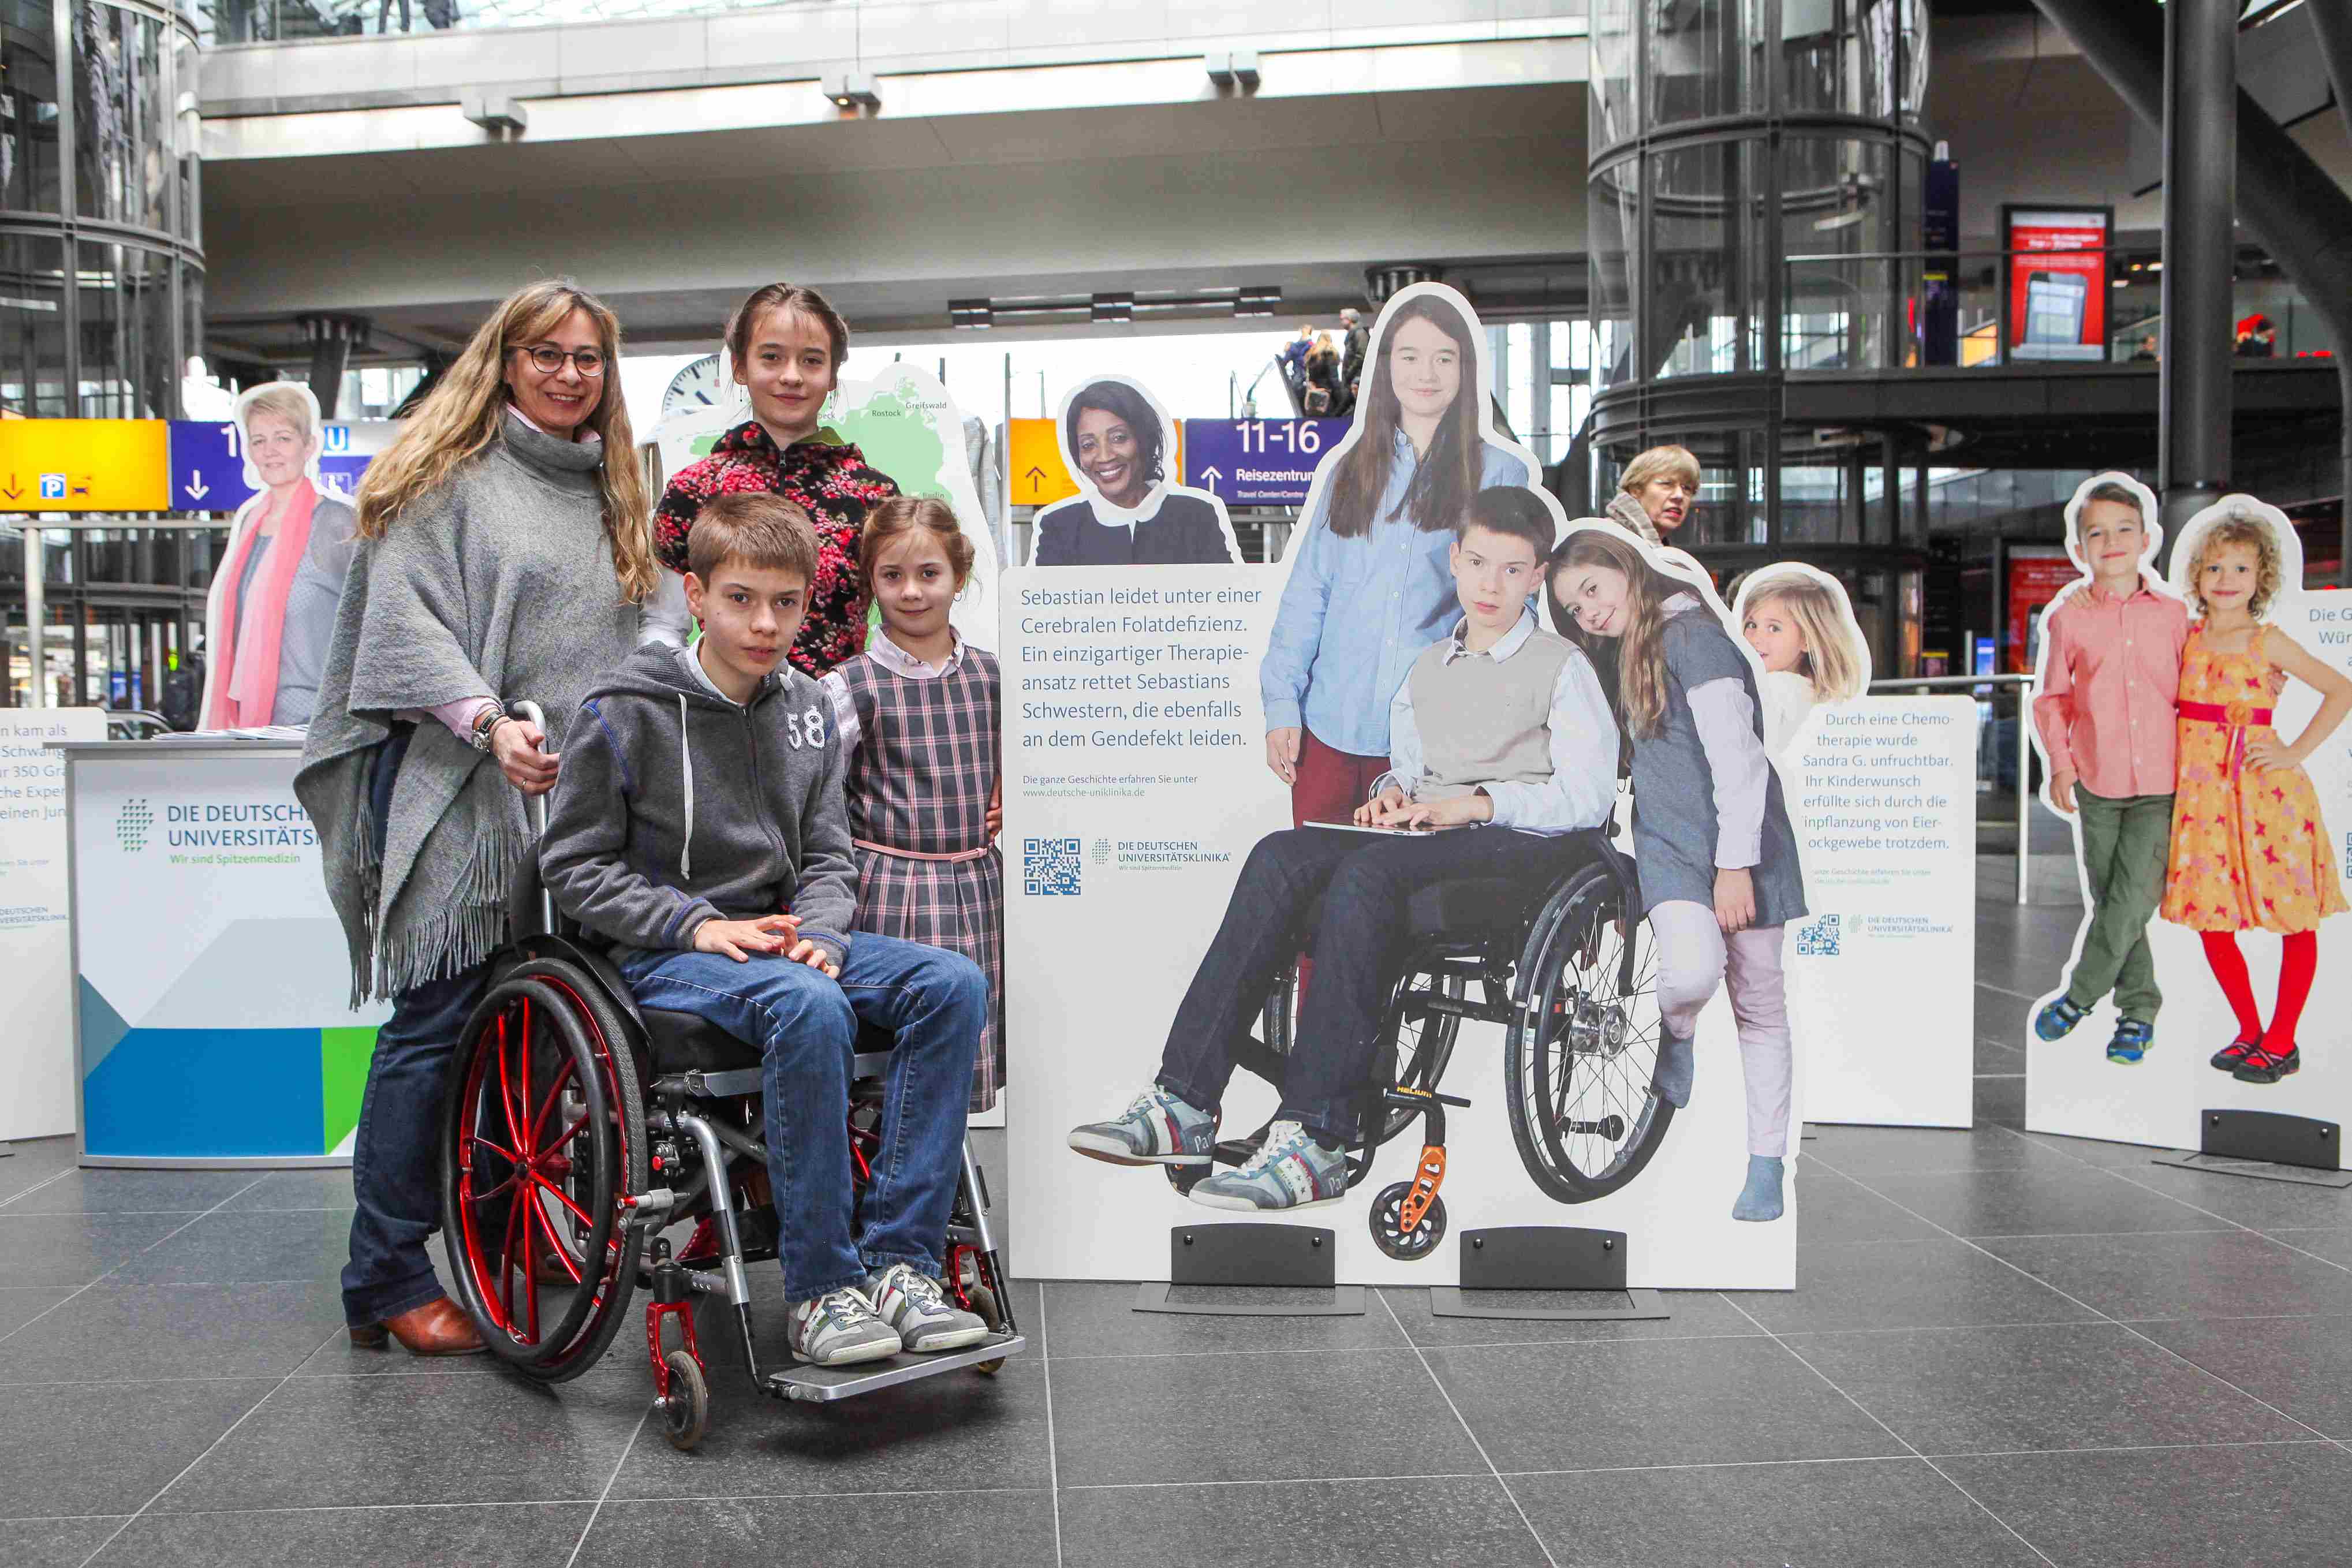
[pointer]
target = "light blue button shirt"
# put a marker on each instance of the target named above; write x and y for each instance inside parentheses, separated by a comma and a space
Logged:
(1334, 674)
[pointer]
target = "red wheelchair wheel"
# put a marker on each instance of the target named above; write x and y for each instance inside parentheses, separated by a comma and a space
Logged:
(543, 1137)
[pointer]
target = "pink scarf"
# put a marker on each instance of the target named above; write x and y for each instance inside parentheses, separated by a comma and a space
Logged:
(245, 679)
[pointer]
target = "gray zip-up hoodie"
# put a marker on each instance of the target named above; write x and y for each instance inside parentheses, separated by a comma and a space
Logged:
(675, 806)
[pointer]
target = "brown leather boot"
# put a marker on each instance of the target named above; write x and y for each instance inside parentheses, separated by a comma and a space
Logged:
(437, 1328)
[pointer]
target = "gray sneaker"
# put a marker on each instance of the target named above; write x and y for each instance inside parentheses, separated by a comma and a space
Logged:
(1156, 1129)
(839, 1328)
(914, 1304)
(1289, 1171)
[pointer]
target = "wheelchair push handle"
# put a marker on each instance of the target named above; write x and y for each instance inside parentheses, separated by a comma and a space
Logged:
(534, 809)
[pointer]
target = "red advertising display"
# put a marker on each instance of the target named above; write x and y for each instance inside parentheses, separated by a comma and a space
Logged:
(2058, 292)
(2036, 572)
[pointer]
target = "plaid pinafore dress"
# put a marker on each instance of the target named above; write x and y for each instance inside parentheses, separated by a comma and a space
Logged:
(919, 785)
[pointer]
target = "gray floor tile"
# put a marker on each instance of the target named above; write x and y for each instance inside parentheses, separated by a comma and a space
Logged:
(329, 1189)
(2035, 1202)
(20, 1304)
(368, 1441)
(127, 1333)
(112, 1191)
(2070, 1385)
(2335, 1246)
(1650, 1401)
(2219, 1274)
(1834, 1209)
(106, 1447)
(2246, 1200)
(938, 1529)
(2281, 1506)
(53, 1543)
(1697, 1314)
(36, 1159)
(537, 1535)
(1865, 1514)
(957, 1429)
(2128, 1157)
(228, 1248)
(74, 1249)
(1448, 1522)
(1100, 1320)
(1343, 1413)
(1864, 1151)
(2000, 1102)
(2302, 1365)
(1905, 1284)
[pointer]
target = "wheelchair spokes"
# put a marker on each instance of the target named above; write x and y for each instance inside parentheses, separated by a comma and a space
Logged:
(1583, 1046)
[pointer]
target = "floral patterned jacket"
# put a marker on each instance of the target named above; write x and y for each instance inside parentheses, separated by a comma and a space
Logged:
(824, 474)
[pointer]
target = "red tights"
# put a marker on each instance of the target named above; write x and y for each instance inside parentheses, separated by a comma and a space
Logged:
(2297, 964)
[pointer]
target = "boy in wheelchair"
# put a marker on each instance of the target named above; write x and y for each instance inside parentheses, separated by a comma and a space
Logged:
(700, 799)
(1500, 732)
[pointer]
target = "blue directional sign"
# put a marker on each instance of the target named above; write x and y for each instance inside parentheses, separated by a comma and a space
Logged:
(1258, 462)
(207, 460)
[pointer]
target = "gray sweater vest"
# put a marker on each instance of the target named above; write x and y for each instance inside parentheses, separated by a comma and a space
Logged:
(1484, 723)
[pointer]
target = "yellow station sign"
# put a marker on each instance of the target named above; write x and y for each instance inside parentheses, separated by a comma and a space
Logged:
(84, 465)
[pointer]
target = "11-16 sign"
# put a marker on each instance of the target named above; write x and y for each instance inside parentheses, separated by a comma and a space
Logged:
(1258, 462)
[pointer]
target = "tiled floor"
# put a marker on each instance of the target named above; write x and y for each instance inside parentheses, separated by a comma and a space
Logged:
(2005, 1348)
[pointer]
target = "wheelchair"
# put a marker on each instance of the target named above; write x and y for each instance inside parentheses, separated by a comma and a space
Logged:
(580, 1127)
(1570, 972)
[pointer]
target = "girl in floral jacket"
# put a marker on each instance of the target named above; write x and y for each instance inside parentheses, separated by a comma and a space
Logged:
(785, 345)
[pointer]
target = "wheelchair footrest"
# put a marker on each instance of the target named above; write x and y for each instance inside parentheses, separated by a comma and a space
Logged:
(822, 1384)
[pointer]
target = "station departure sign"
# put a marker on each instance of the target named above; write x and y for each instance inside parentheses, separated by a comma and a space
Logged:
(153, 465)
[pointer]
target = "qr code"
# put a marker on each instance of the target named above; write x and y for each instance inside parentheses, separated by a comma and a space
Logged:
(1050, 866)
(1819, 939)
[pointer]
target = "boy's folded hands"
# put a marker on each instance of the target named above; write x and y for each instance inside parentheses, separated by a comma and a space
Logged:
(741, 939)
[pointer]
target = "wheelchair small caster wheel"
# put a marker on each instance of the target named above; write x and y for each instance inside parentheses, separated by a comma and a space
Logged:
(1405, 1246)
(685, 1411)
(1184, 1178)
(984, 1302)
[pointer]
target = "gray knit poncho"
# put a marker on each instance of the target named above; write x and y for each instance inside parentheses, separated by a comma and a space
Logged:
(500, 584)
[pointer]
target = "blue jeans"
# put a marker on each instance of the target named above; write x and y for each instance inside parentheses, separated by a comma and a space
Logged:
(396, 1153)
(806, 1025)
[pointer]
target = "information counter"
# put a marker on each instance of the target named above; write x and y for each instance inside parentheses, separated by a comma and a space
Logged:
(212, 1016)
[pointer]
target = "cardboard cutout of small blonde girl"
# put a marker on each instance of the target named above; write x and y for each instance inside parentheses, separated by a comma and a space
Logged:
(2104, 684)
(1120, 447)
(2249, 850)
(1714, 850)
(1803, 628)
(271, 613)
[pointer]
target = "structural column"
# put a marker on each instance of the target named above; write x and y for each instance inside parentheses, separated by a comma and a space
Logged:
(2201, 162)
(36, 615)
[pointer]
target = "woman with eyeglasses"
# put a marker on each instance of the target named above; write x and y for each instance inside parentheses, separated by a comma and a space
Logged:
(503, 550)
(784, 345)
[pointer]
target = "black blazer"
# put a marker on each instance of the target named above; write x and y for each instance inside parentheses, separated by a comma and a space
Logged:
(1183, 532)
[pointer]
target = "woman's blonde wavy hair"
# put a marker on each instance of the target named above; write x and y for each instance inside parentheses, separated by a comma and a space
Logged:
(463, 414)
(1832, 659)
(2253, 530)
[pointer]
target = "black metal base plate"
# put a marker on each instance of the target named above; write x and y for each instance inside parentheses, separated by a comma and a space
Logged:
(1294, 1256)
(1337, 1301)
(2270, 1137)
(1447, 1302)
(2258, 1170)
(1543, 1258)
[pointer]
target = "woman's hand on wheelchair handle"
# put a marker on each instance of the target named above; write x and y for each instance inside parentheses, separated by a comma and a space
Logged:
(741, 939)
(521, 749)
(1735, 898)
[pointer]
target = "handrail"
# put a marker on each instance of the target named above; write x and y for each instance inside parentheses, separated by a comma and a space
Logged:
(2024, 684)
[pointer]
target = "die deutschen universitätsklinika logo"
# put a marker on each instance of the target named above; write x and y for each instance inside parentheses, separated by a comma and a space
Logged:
(131, 824)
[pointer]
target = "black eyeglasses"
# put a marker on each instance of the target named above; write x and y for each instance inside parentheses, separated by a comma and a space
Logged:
(550, 359)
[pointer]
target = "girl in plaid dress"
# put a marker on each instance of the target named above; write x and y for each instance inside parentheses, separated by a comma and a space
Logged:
(917, 715)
